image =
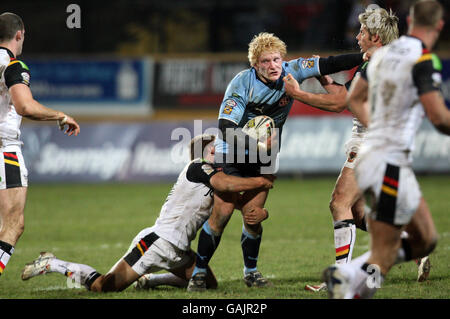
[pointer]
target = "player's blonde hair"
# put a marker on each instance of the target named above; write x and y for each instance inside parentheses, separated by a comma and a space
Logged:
(426, 13)
(198, 143)
(379, 21)
(264, 42)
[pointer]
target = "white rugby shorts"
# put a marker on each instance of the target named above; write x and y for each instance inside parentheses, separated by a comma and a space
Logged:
(150, 253)
(393, 191)
(13, 172)
(351, 151)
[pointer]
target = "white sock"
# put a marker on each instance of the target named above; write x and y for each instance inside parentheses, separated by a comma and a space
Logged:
(365, 284)
(361, 260)
(344, 240)
(79, 272)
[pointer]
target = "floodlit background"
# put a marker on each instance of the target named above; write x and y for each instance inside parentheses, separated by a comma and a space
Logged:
(142, 77)
(132, 72)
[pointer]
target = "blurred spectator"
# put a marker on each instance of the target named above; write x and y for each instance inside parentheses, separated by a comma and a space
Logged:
(192, 26)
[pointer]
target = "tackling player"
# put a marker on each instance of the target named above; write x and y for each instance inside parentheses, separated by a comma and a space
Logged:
(255, 91)
(166, 245)
(402, 85)
(378, 27)
(16, 101)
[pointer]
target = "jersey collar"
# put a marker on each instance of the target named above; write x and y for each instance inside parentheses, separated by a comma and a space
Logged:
(9, 52)
(411, 36)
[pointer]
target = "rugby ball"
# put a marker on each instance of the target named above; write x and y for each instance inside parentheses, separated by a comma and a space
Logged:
(259, 127)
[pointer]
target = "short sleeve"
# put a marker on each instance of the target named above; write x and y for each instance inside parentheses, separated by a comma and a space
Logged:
(427, 74)
(235, 98)
(17, 72)
(201, 172)
(302, 69)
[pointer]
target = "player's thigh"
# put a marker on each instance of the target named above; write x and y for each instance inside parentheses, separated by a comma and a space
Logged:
(421, 228)
(384, 244)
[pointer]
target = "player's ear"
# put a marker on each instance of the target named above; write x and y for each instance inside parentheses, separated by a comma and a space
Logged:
(408, 21)
(440, 25)
(19, 35)
(376, 39)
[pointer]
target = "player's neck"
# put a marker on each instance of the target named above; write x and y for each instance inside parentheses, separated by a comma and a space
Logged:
(10, 47)
(427, 36)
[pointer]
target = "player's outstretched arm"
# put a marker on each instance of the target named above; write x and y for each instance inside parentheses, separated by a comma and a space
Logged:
(337, 63)
(28, 107)
(357, 99)
(334, 101)
(436, 111)
(228, 183)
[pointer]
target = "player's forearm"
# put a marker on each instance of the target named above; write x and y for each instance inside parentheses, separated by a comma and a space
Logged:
(338, 63)
(441, 121)
(436, 111)
(36, 111)
(238, 184)
(33, 110)
(27, 106)
(334, 102)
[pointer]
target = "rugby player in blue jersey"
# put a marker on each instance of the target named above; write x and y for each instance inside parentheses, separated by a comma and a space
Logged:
(258, 90)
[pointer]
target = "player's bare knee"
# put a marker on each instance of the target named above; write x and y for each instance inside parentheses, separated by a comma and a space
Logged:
(248, 209)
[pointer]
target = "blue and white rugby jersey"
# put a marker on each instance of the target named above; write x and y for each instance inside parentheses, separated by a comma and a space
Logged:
(247, 96)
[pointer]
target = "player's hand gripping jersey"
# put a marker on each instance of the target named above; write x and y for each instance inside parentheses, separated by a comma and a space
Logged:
(247, 96)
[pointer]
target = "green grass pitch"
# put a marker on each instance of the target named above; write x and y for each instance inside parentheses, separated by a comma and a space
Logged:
(94, 224)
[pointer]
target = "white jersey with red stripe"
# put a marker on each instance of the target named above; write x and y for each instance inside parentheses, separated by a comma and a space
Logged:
(186, 208)
(9, 119)
(396, 112)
